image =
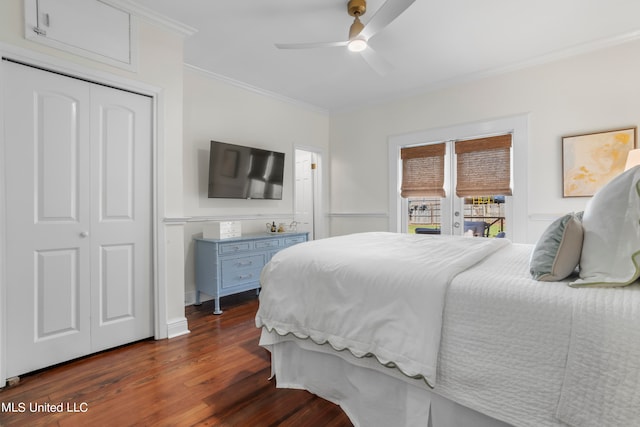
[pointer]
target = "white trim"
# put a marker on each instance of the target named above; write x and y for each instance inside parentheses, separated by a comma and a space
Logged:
(545, 216)
(76, 70)
(177, 328)
(176, 220)
(159, 265)
(153, 17)
(228, 218)
(358, 215)
(159, 249)
(557, 55)
(255, 89)
(518, 125)
(3, 240)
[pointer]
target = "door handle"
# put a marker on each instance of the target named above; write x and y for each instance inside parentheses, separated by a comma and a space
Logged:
(84, 234)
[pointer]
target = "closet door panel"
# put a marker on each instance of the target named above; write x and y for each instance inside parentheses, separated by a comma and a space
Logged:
(117, 290)
(116, 144)
(121, 232)
(48, 218)
(57, 294)
(57, 152)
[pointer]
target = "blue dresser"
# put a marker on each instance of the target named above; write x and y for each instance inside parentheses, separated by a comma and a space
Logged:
(229, 266)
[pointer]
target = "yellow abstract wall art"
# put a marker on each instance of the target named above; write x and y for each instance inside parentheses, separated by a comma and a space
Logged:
(589, 161)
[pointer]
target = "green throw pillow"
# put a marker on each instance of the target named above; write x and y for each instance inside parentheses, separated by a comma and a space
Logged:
(557, 252)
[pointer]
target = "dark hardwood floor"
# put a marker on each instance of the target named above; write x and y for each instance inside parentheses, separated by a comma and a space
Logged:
(216, 375)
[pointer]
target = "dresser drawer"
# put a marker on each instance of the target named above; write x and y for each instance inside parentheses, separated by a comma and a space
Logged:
(235, 247)
(268, 244)
(241, 270)
(293, 240)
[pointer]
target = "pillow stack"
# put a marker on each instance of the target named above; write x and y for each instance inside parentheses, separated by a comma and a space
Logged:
(604, 240)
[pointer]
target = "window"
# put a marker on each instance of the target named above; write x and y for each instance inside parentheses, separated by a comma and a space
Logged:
(482, 180)
(515, 208)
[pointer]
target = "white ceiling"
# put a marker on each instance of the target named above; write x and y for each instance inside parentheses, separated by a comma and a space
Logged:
(432, 44)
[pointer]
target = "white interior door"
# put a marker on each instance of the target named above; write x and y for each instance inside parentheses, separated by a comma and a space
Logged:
(78, 217)
(304, 191)
(121, 285)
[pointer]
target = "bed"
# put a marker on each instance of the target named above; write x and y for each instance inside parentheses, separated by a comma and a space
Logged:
(429, 330)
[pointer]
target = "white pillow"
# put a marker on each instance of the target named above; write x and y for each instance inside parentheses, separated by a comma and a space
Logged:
(557, 252)
(611, 224)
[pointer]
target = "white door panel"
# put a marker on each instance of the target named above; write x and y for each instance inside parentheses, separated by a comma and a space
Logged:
(304, 191)
(121, 231)
(47, 209)
(57, 293)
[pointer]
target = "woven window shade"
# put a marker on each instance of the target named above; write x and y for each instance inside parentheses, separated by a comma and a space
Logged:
(423, 171)
(484, 166)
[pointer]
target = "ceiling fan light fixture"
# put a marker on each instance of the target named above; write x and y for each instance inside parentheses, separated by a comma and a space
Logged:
(357, 45)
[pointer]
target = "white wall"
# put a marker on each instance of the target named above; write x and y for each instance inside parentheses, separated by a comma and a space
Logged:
(217, 110)
(591, 92)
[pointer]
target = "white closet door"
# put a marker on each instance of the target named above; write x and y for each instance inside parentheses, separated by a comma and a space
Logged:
(121, 281)
(78, 236)
(48, 212)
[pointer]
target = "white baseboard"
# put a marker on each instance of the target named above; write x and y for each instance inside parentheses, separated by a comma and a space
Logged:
(177, 327)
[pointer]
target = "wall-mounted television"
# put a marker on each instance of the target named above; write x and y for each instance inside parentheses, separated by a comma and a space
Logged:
(241, 172)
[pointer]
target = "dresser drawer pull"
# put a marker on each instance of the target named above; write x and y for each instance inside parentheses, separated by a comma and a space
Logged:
(244, 263)
(245, 276)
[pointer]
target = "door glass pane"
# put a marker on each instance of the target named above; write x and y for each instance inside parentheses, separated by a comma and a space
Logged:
(484, 216)
(424, 215)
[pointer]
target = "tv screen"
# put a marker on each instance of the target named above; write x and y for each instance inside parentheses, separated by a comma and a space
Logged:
(240, 172)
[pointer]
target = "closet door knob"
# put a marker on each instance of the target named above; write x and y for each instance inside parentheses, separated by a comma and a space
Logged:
(84, 234)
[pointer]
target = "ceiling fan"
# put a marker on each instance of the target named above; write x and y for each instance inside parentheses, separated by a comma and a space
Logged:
(360, 34)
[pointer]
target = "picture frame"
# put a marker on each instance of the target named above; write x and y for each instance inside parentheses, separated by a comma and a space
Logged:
(591, 160)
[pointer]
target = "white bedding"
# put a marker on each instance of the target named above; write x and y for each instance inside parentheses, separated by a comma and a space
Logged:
(505, 339)
(602, 381)
(525, 352)
(365, 309)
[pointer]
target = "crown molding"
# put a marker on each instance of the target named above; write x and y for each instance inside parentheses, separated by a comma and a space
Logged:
(255, 89)
(152, 16)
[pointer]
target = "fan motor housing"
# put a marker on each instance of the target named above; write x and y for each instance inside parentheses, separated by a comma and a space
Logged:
(357, 7)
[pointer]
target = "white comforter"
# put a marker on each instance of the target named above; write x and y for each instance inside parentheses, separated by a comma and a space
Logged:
(526, 352)
(375, 294)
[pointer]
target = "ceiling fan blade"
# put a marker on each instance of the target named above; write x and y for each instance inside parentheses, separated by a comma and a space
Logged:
(377, 62)
(310, 45)
(389, 11)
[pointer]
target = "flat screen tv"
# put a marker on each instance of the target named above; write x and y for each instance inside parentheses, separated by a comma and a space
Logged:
(240, 172)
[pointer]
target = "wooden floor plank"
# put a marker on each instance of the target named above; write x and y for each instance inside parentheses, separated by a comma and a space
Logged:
(215, 376)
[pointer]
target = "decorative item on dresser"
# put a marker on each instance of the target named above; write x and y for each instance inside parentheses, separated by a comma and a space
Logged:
(229, 266)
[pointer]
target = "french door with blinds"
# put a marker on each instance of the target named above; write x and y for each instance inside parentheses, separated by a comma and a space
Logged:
(458, 187)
